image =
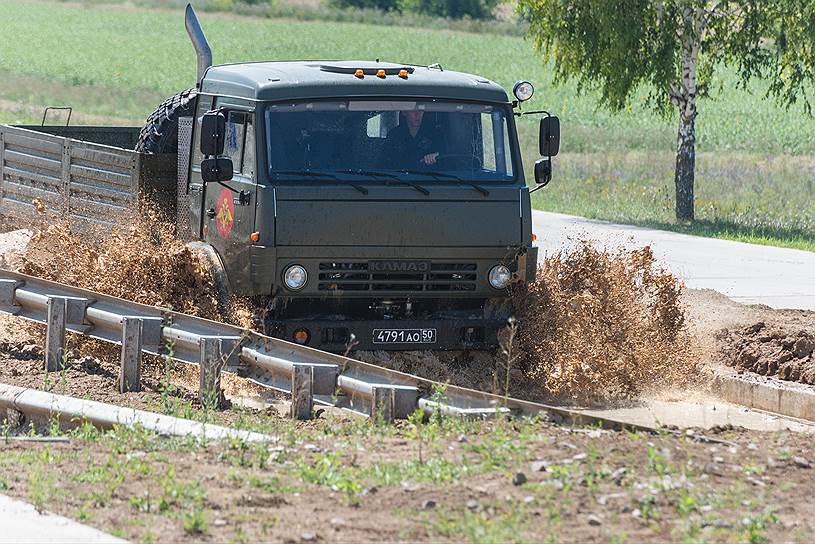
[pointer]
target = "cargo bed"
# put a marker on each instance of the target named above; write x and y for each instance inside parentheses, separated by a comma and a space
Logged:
(88, 175)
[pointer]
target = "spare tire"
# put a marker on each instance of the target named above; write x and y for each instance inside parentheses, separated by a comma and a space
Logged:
(160, 132)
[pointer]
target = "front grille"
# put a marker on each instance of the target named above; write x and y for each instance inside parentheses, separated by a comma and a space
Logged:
(355, 276)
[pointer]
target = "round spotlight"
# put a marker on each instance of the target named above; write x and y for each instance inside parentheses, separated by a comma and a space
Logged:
(523, 90)
(499, 276)
(295, 277)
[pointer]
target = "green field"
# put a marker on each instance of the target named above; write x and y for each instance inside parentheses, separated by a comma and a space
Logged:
(755, 164)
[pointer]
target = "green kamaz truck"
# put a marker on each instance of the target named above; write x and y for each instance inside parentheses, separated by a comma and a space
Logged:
(369, 205)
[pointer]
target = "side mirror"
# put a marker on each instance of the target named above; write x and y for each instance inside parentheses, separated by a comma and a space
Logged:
(217, 169)
(543, 171)
(213, 133)
(549, 136)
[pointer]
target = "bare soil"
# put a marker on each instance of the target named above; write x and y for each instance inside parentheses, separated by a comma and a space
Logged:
(753, 338)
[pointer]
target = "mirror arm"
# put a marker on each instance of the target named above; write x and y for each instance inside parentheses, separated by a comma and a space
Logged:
(520, 113)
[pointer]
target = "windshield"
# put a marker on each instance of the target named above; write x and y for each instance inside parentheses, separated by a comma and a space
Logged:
(419, 140)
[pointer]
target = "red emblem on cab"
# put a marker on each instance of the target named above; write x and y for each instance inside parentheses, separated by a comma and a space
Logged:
(224, 213)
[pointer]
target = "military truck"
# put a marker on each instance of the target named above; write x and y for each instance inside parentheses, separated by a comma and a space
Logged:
(366, 204)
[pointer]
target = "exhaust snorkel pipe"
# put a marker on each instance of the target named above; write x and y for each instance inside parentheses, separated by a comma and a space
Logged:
(199, 41)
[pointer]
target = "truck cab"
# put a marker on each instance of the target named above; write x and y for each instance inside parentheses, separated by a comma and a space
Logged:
(371, 205)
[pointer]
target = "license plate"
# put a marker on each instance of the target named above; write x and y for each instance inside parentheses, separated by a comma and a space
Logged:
(404, 336)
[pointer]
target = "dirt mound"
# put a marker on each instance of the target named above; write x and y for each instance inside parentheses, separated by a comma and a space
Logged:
(143, 263)
(600, 325)
(771, 351)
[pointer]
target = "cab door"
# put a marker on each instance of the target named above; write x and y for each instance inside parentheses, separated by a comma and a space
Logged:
(228, 217)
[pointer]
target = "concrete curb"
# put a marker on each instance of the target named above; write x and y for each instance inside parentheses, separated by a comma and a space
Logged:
(781, 397)
(71, 411)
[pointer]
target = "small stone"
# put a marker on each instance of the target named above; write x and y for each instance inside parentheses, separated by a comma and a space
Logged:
(337, 522)
(801, 462)
(373, 489)
(593, 520)
(473, 505)
(567, 445)
(579, 456)
(755, 482)
(462, 438)
(529, 499)
(428, 504)
(537, 466)
(712, 469)
(311, 447)
(718, 459)
(602, 500)
(618, 474)
(752, 446)
(308, 537)
(219, 522)
(706, 508)
(636, 512)
(519, 479)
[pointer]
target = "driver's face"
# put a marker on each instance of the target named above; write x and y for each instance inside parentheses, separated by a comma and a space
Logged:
(414, 118)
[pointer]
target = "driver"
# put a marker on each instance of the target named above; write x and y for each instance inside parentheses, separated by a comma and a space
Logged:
(412, 143)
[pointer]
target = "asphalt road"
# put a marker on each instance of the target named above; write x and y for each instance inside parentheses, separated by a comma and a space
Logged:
(747, 273)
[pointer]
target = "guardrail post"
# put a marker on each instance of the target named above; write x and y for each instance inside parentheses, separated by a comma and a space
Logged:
(57, 310)
(212, 362)
(130, 367)
(302, 391)
(383, 403)
(7, 291)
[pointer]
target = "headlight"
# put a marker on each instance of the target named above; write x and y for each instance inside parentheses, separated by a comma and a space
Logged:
(295, 277)
(523, 90)
(499, 276)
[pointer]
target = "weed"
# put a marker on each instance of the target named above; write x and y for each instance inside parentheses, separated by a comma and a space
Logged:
(195, 522)
(757, 525)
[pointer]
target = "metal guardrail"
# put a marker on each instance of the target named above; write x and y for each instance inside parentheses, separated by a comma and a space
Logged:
(309, 375)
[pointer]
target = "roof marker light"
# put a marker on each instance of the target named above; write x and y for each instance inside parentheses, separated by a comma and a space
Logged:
(380, 73)
(359, 73)
(403, 73)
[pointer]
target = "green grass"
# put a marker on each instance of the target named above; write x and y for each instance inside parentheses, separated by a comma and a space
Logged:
(754, 177)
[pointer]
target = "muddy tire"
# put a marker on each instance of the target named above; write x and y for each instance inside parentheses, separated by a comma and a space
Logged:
(216, 268)
(160, 133)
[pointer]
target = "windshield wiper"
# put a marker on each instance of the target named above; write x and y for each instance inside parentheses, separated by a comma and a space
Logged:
(376, 174)
(313, 174)
(439, 175)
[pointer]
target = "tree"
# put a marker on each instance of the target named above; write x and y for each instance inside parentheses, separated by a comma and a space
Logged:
(673, 48)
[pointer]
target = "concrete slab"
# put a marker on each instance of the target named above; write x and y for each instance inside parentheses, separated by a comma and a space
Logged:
(20, 523)
(747, 273)
(703, 414)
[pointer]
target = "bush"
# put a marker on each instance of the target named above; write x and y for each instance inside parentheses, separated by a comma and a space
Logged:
(454, 9)
(384, 5)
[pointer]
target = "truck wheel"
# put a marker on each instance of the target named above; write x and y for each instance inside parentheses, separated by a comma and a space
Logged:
(216, 268)
(160, 132)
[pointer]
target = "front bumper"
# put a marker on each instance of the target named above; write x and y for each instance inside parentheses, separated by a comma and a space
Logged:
(335, 335)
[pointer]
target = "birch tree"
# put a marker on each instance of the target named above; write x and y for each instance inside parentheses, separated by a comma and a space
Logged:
(673, 49)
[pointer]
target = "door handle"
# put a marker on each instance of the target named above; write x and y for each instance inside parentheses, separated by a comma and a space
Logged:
(211, 213)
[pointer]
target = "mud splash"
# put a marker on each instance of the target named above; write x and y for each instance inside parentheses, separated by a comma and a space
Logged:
(602, 325)
(143, 263)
